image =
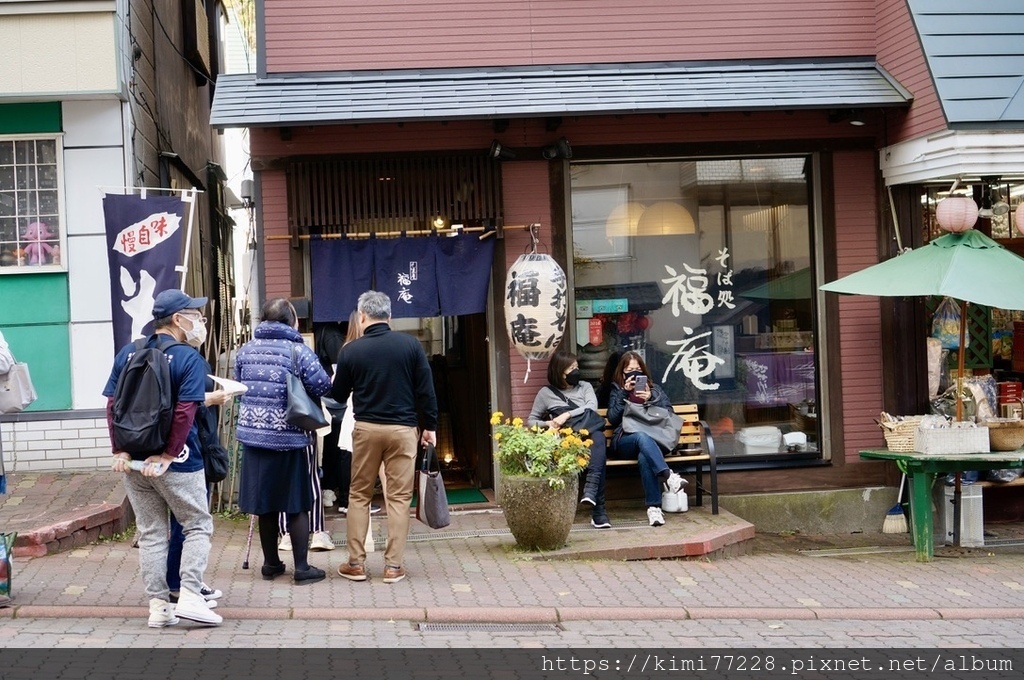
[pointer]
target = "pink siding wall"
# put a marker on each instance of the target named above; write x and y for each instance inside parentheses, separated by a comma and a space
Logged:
(326, 35)
(860, 339)
(527, 199)
(900, 53)
(274, 201)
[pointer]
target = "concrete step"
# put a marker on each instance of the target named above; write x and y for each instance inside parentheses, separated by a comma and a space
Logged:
(56, 511)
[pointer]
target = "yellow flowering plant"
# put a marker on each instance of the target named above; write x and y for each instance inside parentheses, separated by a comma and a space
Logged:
(539, 452)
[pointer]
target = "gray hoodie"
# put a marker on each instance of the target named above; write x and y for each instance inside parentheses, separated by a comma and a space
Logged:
(582, 395)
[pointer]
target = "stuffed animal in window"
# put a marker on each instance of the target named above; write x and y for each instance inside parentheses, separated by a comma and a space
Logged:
(37, 251)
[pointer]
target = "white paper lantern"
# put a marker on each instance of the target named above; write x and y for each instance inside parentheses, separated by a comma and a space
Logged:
(536, 306)
(956, 213)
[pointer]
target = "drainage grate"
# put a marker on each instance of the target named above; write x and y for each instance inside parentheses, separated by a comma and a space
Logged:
(488, 627)
(418, 537)
(475, 533)
(846, 552)
(1003, 542)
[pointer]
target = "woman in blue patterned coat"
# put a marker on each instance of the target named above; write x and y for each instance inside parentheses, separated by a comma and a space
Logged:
(275, 467)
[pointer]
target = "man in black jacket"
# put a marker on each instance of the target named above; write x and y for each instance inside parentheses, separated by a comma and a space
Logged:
(389, 378)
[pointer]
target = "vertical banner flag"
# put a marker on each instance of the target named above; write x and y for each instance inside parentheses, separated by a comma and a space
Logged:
(463, 273)
(405, 270)
(341, 270)
(143, 249)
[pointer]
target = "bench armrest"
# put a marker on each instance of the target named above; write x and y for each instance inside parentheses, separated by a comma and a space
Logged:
(707, 441)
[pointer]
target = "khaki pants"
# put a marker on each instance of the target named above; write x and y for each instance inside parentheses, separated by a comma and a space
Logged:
(394, 446)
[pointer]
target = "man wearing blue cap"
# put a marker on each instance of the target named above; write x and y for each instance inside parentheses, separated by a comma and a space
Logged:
(172, 479)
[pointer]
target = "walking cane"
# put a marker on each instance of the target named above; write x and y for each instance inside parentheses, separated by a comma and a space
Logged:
(248, 542)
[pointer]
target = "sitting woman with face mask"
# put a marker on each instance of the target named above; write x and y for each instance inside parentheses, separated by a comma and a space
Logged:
(632, 382)
(566, 401)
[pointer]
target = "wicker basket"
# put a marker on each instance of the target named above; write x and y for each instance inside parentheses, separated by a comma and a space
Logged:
(1005, 435)
(802, 421)
(900, 433)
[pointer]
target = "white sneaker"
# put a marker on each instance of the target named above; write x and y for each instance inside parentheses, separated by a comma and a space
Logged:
(329, 498)
(285, 543)
(655, 517)
(194, 607)
(321, 541)
(161, 614)
(674, 482)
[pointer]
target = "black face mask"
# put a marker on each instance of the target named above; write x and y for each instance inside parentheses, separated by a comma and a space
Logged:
(632, 374)
(573, 377)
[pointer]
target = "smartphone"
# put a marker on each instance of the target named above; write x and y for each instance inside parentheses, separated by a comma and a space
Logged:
(641, 384)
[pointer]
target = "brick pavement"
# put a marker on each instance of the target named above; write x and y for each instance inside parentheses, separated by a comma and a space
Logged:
(473, 572)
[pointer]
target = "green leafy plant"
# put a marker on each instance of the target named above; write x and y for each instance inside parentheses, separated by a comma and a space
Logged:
(539, 452)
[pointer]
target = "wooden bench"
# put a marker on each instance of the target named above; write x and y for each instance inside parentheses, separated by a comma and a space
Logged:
(695, 451)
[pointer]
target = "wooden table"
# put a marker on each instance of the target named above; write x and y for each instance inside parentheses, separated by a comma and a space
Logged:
(921, 470)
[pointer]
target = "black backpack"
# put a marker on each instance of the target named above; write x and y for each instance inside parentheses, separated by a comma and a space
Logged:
(144, 399)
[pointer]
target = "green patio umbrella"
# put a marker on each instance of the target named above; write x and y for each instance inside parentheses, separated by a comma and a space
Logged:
(967, 266)
(793, 286)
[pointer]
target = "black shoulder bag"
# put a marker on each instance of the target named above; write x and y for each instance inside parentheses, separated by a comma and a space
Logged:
(590, 420)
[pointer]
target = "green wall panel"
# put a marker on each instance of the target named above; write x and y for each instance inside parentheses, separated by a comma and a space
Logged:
(34, 317)
(47, 351)
(19, 119)
(34, 299)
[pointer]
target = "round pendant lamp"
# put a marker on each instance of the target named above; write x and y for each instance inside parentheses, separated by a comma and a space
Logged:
(956, 213)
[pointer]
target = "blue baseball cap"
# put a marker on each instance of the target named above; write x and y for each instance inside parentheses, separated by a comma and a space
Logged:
(172, 301)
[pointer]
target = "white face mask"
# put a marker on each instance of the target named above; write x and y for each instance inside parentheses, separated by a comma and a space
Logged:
(197, 335)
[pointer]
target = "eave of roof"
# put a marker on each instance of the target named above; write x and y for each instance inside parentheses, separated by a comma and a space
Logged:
(540, 91)
(975, 52)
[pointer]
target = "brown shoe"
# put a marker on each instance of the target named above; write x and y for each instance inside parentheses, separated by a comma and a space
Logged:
(353, 572)
(393, 574)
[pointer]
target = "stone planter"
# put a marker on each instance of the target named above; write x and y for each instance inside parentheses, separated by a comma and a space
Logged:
(539, 516)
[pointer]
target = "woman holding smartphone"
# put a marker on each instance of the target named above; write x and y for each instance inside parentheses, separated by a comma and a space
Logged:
(632, 382)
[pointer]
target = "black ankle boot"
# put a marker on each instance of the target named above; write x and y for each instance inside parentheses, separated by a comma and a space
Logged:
(599, 518)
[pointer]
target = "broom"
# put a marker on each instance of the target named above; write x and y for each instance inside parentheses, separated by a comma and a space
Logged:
(895, 522)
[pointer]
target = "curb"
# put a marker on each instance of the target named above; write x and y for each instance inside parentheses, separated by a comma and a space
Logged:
(538, 615)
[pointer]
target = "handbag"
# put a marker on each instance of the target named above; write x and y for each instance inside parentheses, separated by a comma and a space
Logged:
(335, 408)
(302, 411)
(657, 422)
(16, 389)
(590, 420)
(215, 457)
(432, 501)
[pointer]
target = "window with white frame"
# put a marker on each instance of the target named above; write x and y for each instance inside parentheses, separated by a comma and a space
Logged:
(31, 228)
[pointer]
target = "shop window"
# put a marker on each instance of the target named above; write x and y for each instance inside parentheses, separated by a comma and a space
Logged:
(704, 267)
(995, 336)
(31, 228)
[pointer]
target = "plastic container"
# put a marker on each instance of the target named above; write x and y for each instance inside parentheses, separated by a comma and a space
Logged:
(760, 440)
(941, 440)
(972, 522)
(674, 501)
